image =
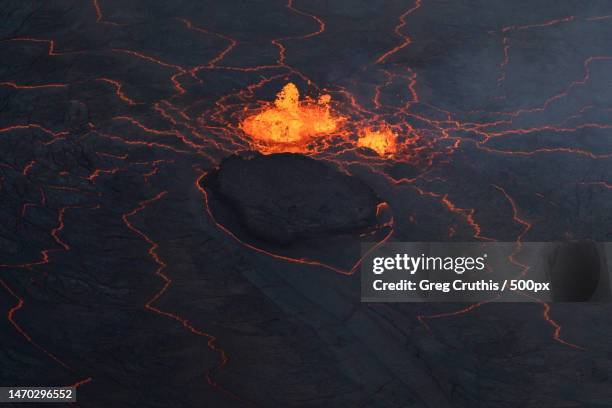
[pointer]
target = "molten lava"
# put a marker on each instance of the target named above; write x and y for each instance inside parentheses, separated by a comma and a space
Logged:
(289, 123)
(382, 140)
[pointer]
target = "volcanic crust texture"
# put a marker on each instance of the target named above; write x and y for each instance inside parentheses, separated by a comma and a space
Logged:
(285, 197)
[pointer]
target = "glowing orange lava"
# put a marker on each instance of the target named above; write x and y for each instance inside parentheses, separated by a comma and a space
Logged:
(289, 123)
(382, 140)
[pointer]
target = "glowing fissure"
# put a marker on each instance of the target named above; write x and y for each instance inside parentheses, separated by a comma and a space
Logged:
(290, 124)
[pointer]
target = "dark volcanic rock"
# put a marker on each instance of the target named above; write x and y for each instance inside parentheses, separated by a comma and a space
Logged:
(284, 197)
(77, 116)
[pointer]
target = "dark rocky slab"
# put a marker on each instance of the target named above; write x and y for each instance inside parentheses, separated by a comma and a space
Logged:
(284, 197)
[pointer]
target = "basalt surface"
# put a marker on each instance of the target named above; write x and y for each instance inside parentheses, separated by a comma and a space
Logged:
(284, 197)
(114, 277)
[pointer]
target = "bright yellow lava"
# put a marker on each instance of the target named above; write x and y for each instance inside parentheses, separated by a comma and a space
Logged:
(290, 123)
(382, 140)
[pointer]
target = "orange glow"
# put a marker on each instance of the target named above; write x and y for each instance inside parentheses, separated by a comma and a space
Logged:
(382, 140)
(290, 123)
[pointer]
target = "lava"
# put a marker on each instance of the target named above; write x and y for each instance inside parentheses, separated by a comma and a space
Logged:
(11, 318)
(167, 282)
(382, 140)
(289, 124)
(118, 90)
(406, 40)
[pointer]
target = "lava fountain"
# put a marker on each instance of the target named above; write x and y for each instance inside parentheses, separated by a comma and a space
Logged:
(289, 124)
(382, 140)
